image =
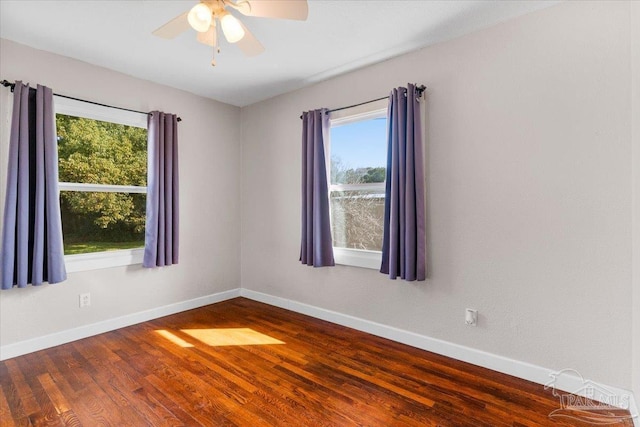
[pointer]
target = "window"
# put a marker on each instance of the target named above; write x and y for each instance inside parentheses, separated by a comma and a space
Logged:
(358, 157)
(102, 161)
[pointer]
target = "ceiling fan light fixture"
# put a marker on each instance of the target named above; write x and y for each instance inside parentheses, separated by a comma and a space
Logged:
(199, 17)
(231, 28)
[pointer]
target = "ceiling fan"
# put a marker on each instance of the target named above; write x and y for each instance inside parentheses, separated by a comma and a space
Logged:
(208, 15)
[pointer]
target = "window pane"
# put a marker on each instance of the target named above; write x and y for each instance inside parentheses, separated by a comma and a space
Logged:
(356, 219)
(97, 222)
(359, 152)
(96, 152)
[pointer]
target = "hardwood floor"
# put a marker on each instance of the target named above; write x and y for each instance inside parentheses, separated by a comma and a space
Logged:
(242, 363)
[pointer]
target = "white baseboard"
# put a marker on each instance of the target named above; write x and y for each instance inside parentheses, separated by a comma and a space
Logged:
(564, 382)
(536, 374)
(28, 346)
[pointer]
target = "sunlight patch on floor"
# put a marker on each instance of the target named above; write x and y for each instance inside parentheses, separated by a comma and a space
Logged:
(231, 336)
(174, 339)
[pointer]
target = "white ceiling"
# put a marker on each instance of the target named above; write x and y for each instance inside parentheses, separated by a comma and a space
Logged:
(339, 36)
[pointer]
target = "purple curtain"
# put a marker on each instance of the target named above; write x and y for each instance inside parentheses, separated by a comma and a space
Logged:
(316, 248)
(161, 233)
(404, 245)
(32, 251)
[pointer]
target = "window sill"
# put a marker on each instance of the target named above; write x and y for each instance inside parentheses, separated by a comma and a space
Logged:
(99, 260)
(358, 258)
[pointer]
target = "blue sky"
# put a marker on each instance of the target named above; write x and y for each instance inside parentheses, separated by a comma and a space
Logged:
(361, 144)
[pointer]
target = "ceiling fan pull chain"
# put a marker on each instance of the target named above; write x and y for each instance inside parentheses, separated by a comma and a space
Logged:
(217, 40)
(216, 46)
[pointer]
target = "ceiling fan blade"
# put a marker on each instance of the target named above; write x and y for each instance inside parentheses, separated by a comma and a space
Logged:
(208, 38)
(283, 9)
(249, 44)
(174, 27)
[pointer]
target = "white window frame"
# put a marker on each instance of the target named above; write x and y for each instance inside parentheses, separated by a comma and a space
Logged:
(347, 256)
(107, 259)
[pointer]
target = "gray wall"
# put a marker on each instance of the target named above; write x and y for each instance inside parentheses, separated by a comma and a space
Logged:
(533, 159)
(635, 107)
(209, 138)
(529, 193)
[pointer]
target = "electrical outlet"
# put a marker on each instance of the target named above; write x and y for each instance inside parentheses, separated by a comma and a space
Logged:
(85, 300)
(471, 317)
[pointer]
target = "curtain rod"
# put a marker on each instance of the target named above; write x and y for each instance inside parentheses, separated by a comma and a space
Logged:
(420, 90)
(6, 83)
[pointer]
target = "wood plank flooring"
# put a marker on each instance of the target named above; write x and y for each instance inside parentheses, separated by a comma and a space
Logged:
(242, 363)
